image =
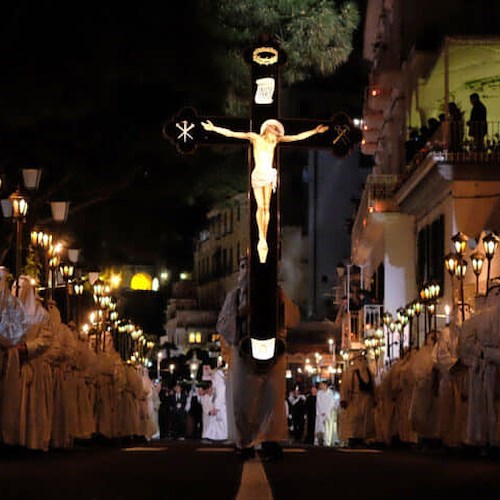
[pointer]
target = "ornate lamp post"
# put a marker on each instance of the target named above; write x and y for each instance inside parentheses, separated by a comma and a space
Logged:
(490, 243)
(417, 306)
(78, 291)
(31, 178)
(194, 364)
(424, 297)
(459, 242)
(399, 328)
(392, 329)
(42, 242)
(451, 262)
(60, 210)
(99, 289)
(431, 309)
(53, 253)
(67, 271)
(386, 319)
(331, 346)
(460, 271)
(19, 211)
(434, 290)
(477, 261)
(53, 264)
(410, 313)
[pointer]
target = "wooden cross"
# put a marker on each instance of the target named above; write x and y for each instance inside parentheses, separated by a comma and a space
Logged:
(187, 132)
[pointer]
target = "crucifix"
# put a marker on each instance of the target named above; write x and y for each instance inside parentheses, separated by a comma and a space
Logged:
(264, 133)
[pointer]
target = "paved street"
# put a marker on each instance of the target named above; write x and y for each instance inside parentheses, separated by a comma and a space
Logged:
(193, 470)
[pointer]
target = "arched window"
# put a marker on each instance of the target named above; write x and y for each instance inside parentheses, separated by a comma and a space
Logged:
(141, 281)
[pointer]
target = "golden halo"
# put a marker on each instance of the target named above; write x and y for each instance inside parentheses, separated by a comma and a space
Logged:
(265, 56)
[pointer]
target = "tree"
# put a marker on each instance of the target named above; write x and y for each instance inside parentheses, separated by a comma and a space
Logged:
(315, 34)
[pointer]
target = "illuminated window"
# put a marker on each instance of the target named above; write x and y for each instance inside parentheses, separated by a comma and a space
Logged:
(195, 337)
(141, 281)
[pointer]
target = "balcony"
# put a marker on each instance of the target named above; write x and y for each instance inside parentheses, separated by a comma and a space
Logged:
(453, 145)
(359, 324)
(377, 197)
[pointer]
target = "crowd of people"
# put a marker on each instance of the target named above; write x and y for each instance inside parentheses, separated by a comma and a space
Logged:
(313, 417)
(197, 411)
(55, 388)
(433, 130)
(445, 393)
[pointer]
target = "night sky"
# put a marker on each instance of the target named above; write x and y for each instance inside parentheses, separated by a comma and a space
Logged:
(84, 94)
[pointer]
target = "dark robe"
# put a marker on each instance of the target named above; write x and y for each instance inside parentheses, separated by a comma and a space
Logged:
(310, 409)
(256, 411)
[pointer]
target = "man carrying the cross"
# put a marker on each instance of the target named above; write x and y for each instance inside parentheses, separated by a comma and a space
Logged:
(264, 175)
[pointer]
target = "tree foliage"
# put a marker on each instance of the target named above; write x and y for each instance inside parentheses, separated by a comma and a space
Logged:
(315, 34)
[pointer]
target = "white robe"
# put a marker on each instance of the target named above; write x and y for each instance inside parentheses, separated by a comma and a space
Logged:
(219, 424)
(325, 405)
(36, 411)
(207, 418)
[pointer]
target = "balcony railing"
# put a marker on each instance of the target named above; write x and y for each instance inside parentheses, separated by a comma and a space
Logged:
(359, 323)
(452, 143)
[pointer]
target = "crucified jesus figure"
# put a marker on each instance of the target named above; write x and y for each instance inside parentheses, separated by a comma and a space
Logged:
(264, 175)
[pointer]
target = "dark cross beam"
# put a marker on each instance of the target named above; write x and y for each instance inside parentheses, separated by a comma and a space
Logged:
(186, 132)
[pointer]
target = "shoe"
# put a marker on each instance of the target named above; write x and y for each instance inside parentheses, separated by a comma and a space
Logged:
(245, 453)
(271, 452)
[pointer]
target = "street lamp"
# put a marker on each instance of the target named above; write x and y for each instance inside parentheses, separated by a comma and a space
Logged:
(331, 346)
(53, 264)
(431, 309)
(98, 288)
(477, 261)
(392, 329)
(450, 262)
(410, 313)
(460, 271)
(31, 178)
(417, 306)
(386, 320)
(78, 291)
(60, 210)
(434, 290)
(67, 271)
(159, 357)
(19, 211)
(194, 364)
(399, 328)
(490, 242)
(459, 242)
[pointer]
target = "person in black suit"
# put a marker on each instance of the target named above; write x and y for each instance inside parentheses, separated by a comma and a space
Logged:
(297, 406)
(311, 414)
(195, 412)
(178, 414)
(164, 412)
